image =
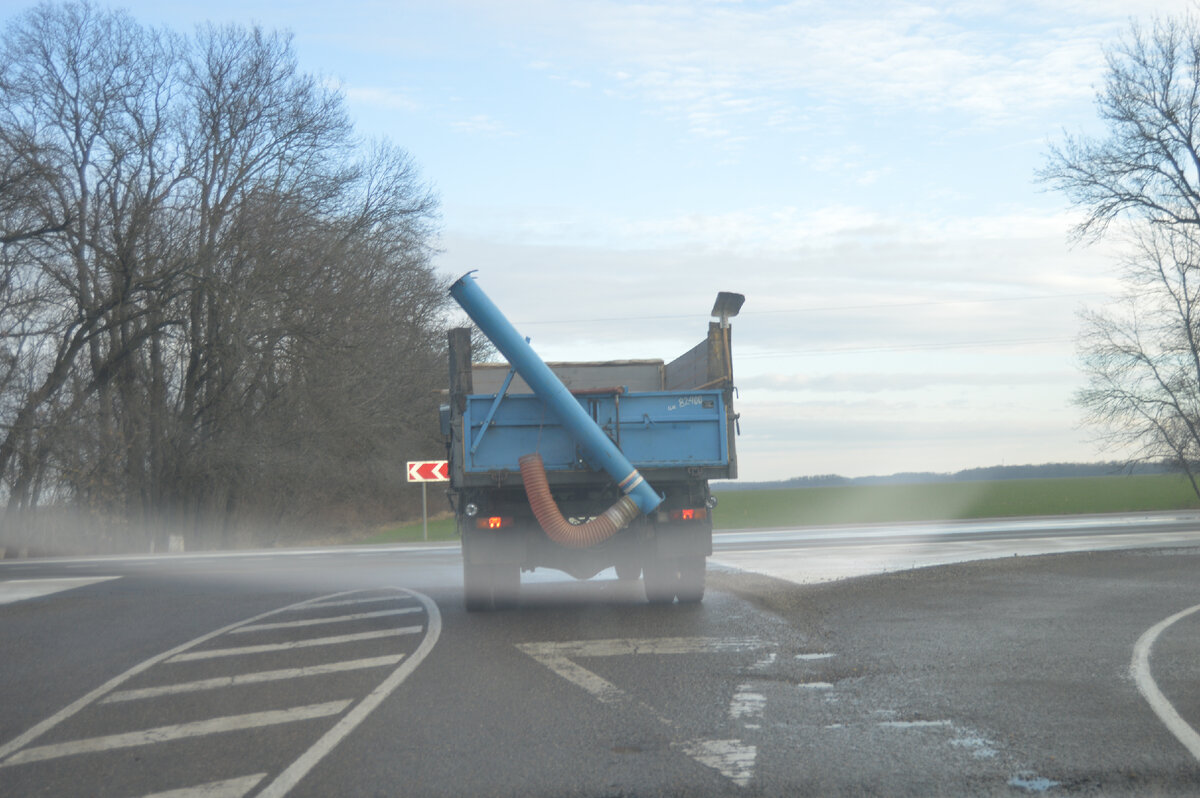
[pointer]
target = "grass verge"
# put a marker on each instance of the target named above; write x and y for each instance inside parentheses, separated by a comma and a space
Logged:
(440, 529)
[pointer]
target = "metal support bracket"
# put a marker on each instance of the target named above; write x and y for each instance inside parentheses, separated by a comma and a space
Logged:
(491, 413)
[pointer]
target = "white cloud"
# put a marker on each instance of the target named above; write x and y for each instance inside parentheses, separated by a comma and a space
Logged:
(389, 99)
(780, 440)
(717, 66)
(870, 383)
(482, 124)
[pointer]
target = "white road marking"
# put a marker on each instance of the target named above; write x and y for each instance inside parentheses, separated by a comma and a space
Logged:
(350, 602)
(915, 724)
(1139, 669)
(408, 550)
(602, 689)
(70, 710)
(15, 751)
(980, 747)
(359, 616)
(229, 788)
(558, 657)
(309, 759)
(252, 678)
(14, 590)
(291, 644)
(827, 562)
(619, 647)
(731, 758)
(180, 731)
(747, 705)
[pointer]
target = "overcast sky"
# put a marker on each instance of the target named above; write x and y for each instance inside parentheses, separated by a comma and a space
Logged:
(862, 171)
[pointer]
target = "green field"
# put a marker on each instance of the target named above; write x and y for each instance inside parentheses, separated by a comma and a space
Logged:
(858, 504)
(864, 504)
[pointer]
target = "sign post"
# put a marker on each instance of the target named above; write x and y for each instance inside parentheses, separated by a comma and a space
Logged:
(426, 471)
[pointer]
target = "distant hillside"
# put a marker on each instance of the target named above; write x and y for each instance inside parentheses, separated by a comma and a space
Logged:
(1045, 471)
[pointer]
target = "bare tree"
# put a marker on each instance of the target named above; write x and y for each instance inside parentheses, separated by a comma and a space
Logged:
(75, 115)
(1142, 356)
(214, 304)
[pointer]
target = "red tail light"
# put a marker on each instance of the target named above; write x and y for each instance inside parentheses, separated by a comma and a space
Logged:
(493, 522)
(689, 514)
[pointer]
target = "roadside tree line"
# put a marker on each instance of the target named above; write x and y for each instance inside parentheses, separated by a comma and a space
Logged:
(217, 305)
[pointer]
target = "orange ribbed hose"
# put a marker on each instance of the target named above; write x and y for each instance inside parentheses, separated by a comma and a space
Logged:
(559, 529)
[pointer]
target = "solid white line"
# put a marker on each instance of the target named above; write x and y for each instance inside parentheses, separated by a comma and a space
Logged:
(14, 590)
(181, 731)
(359, 616)
(229, 788)
(71, 709)
(603, 690)
(252, 678)
(316, 641)
(309, 759)
(1139, 669)
(406, 549)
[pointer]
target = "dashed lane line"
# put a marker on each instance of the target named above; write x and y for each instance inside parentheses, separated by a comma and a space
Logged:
(1139, 669)
(181, 731)
(252, 678)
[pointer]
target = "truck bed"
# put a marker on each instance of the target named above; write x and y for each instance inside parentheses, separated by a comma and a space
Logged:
(672, 420)
(657, 431)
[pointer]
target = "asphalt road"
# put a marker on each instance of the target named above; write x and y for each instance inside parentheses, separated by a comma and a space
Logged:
(356, 672)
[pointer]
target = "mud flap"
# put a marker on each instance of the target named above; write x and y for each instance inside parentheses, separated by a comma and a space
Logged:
(682, 540)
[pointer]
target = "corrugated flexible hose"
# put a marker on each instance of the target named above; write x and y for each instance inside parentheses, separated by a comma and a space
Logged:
(559, 529)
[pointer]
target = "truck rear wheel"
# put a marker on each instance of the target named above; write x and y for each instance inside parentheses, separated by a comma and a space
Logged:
(489, 586)
(477, 587)
(506, 585)
(670, 577)
(659, 580)
(691, 579)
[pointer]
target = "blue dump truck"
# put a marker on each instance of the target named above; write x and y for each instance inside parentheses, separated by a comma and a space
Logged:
(586, 466)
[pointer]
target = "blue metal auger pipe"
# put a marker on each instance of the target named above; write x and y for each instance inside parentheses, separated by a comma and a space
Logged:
(600, 451)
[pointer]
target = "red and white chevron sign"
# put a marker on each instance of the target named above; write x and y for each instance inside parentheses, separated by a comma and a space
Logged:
(428, 471)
